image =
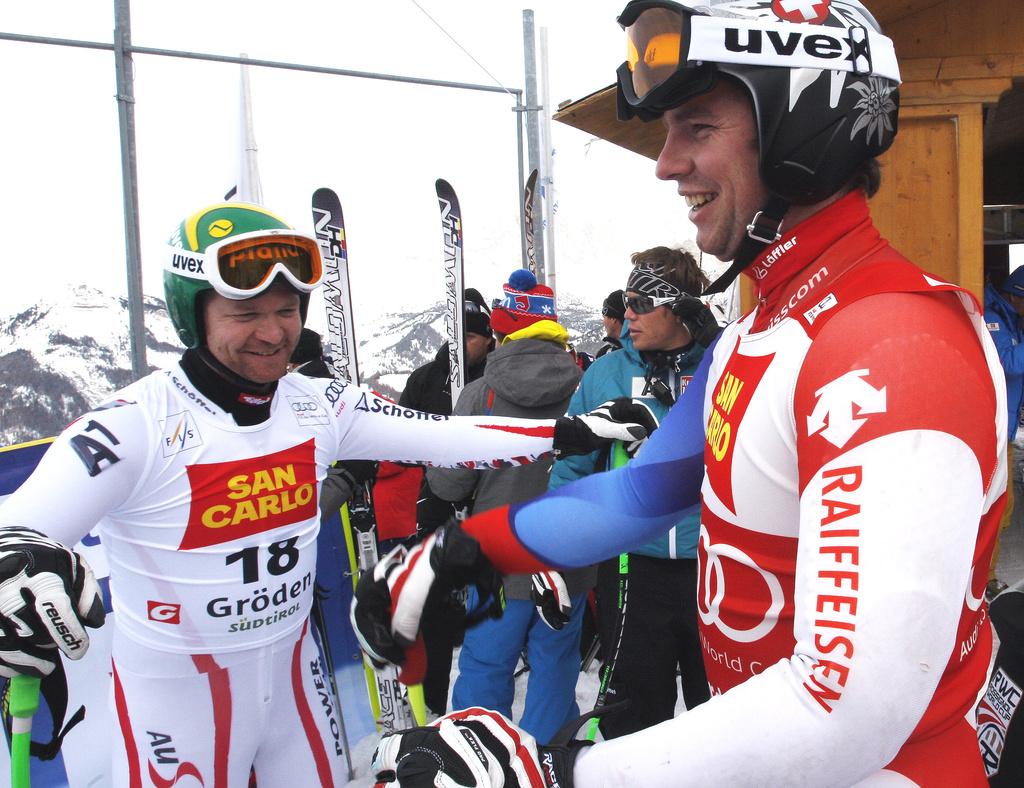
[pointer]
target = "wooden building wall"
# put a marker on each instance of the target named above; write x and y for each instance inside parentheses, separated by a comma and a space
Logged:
(956, 59)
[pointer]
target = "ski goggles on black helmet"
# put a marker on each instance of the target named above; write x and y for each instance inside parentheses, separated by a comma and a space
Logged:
(673, 51)
(245, 265)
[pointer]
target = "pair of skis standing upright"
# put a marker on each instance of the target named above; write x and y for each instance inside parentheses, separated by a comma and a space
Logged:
(394, 707)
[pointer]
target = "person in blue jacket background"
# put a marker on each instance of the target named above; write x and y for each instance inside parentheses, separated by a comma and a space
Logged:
(1003, 310)
(664, 336)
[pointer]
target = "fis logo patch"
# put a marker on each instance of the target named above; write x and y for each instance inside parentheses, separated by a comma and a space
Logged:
(179, 433)
(308, 410)
(823, 305)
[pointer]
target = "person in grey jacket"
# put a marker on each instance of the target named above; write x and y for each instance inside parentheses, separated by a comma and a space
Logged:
(530, 374)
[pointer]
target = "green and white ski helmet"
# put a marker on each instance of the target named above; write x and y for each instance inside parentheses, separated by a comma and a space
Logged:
(189, 270)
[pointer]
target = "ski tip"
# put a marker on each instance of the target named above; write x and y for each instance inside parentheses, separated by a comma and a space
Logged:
(441, 183)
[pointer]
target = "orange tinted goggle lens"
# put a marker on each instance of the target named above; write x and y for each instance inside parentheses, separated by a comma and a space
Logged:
(653, 44)
(246, 264)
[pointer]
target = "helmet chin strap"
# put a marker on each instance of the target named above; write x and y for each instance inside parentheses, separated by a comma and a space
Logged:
(763, 231)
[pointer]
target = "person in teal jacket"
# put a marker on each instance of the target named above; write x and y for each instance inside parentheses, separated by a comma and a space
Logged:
(1003, 310)
(663, 339)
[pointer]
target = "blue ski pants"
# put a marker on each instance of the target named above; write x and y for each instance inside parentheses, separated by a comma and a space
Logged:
(490, 652)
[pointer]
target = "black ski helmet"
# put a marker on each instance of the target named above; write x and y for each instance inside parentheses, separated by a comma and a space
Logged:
(822, 79)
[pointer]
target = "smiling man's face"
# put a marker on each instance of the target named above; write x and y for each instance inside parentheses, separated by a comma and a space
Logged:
(254, 338)
(711, 153)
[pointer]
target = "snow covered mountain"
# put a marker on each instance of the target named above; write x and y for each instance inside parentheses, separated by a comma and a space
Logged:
(61, 356)
(404, 341)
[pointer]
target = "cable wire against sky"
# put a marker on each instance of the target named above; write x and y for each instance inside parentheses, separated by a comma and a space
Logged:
(454, 41)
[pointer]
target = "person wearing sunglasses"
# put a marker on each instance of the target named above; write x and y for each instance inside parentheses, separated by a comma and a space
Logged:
(203, 480)
(654, 637)
(851, 429)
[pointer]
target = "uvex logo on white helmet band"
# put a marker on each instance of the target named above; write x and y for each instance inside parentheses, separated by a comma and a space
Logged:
(845, 47)
(709, 608)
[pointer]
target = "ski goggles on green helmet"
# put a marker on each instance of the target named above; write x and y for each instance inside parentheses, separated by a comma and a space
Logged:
(245, 265)
(673, 51)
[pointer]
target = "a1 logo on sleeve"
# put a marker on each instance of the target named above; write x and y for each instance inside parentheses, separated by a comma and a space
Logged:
(179, 433)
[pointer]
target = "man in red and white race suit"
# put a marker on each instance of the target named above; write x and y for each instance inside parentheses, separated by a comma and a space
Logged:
(846, 440)
(848, 513)
(849, 506)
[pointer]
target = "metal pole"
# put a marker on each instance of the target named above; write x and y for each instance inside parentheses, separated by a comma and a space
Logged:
(180, 53)
(249, 187)
(547, 169)
(129, 184)
(518, 111)
(533, 132)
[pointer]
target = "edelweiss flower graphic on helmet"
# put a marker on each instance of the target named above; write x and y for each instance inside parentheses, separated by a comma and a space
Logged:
(878, 107)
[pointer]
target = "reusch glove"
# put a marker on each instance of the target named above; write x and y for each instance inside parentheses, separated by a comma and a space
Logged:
(48, 595)
(473, 747)
(549, 594)
(623, 419)
(389, 600)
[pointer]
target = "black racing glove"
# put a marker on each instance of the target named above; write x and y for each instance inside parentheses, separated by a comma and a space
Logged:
(699, 319)
(474, 747)
(48, 595)
(624, 419)
(390, 600)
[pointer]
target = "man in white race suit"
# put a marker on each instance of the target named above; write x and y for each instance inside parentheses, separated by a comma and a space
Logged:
(203, 480)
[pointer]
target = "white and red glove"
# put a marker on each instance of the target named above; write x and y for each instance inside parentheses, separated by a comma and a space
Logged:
(389, 601)
(551, 597)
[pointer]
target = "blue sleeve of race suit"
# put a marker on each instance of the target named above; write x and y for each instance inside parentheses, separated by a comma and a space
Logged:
(608, 513)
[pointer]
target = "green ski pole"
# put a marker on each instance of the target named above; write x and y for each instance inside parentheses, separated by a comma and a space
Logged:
(23, 701)
(619, 458)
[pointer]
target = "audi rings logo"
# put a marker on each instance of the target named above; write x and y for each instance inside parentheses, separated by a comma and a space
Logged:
(164, 612)
(308, 411)
(709, 607)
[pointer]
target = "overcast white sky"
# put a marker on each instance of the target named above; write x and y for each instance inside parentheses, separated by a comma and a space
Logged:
(380, 145)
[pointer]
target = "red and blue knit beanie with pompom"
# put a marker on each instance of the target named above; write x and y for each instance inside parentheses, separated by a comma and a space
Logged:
(524, 304)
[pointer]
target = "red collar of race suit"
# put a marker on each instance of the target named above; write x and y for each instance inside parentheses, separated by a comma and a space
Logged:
(804, 243)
